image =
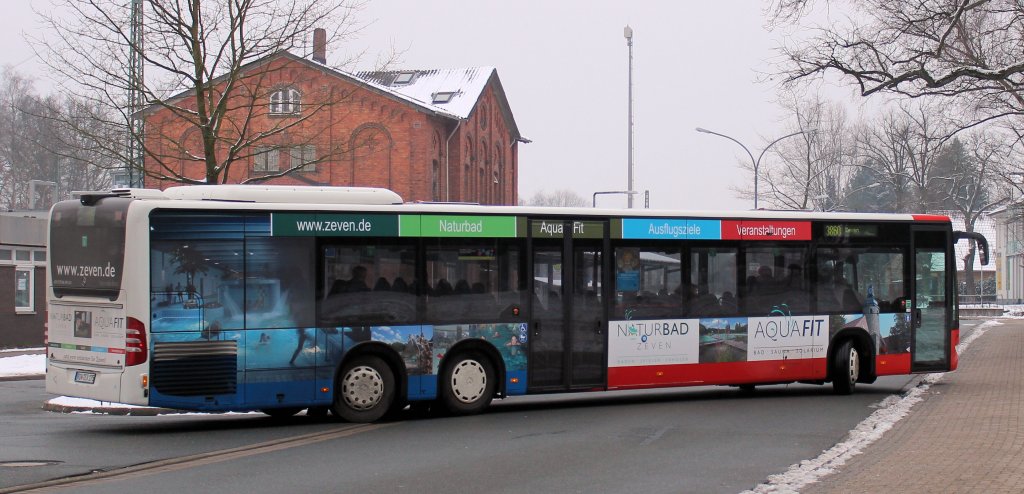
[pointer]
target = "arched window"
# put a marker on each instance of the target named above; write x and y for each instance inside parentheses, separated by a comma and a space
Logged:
(435, 182)
(371, 146)
(285, 101)
(499, 174)
(468, 194)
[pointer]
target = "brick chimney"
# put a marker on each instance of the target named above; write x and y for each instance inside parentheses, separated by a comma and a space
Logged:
(320, 46)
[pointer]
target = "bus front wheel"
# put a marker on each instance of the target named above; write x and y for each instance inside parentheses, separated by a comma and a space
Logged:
(845, 368)
(468, 384)
(365, 390)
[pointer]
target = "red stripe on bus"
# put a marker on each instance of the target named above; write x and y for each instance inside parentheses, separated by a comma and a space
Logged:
(655, 376)
(930, 217)
(954, 358)
(892, 364)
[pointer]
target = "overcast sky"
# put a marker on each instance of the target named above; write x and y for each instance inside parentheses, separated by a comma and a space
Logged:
(564, 67)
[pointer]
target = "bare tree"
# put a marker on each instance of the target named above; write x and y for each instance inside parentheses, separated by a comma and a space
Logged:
(564, 198)
(968, 184)
(34, 146)
(964, 51)
(206, 62)
(900, 148)
(813, 168)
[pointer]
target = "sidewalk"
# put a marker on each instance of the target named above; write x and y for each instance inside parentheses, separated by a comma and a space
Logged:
(966, 435)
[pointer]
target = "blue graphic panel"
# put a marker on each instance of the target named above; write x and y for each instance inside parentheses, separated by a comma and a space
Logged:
(666, 229)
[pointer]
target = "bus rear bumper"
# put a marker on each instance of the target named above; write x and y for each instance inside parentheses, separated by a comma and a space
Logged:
(74, 381)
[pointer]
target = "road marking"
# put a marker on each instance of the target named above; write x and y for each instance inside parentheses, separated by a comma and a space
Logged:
(657, 435)
(191, 461)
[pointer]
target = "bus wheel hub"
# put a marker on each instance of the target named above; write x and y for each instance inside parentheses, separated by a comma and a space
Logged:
(469, 381)
(362, 388)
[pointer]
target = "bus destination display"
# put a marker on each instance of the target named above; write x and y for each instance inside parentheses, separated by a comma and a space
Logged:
(841, 230)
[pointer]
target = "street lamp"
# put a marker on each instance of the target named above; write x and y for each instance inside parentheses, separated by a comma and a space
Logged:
(757, 162)
(628, 33)
(627, 192)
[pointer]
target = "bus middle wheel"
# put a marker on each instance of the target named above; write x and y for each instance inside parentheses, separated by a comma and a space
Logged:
(365, 390)
(468, 384)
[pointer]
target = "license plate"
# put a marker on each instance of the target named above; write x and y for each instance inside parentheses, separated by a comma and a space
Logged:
(85, 377)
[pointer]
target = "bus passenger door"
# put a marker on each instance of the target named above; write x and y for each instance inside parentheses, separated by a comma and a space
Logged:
(932, 309)
(568, 341)
(588, 340)
(547, 334)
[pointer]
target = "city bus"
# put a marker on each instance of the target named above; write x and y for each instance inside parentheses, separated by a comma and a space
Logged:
(347, 300)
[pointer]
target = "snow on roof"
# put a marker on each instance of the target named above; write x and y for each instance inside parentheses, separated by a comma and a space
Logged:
(452, 91)
(984, 225)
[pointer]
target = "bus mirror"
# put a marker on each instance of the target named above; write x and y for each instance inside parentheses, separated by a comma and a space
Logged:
(979, 239)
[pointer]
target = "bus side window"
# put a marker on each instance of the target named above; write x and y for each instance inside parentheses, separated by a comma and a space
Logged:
(712, 290)
(365, 283)
(474, 281)
(845, 276)
(648, 282)
(777, 281)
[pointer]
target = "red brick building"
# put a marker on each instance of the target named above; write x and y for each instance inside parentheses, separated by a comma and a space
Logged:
(429, 135)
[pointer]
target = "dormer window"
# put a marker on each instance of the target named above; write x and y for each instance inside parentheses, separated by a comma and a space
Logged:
(285, 101)
(443, 97)
(404, 78)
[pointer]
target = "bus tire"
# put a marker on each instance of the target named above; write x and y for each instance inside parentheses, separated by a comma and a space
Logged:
(467, 384)
(365, 390)
(845, 368)
(281, 413)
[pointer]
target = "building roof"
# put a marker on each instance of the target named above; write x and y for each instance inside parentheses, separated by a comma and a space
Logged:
(454, 91)
(448, 93)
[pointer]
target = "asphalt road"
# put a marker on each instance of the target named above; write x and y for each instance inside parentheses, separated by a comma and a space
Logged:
(708, 439)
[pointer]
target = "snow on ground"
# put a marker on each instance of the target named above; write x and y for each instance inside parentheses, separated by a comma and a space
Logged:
(1010, 311)
(22, 365)
(869, 430)
(82, 402)
(12, 350)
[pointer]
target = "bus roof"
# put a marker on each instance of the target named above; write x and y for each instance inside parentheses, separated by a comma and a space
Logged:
(305, 198)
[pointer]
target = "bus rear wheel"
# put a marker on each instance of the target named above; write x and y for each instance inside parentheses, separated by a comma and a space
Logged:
(365, 390)
(467, 385)
(845, 368)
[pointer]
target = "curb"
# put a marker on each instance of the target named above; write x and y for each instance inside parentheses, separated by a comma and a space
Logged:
(132, 411)
(27, 377)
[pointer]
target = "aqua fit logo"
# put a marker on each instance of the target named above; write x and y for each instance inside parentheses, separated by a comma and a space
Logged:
(787, 337)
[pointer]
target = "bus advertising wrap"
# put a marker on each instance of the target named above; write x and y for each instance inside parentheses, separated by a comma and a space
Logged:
(86, 334)
(716, 340)
(635, 343)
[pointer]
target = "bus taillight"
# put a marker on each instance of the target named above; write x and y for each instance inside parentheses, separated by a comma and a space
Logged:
(135, 342)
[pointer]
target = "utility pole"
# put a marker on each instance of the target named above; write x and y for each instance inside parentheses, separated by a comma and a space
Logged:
(135, 100)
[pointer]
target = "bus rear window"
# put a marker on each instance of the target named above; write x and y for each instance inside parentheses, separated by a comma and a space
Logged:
(87, 247)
